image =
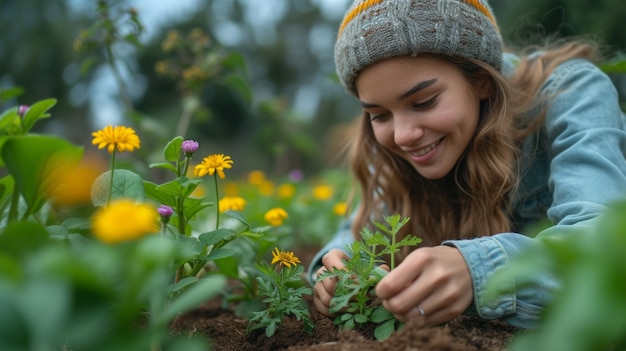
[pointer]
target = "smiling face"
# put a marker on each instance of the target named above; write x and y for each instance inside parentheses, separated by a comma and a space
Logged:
(422, 109)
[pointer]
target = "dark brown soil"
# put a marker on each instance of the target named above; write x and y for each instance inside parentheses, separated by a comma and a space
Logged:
(227, 332)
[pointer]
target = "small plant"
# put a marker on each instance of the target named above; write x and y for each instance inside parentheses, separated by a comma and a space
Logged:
(354, 302)
(282, 285)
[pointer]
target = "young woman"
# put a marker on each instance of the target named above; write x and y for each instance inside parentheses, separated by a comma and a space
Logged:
(475, 146)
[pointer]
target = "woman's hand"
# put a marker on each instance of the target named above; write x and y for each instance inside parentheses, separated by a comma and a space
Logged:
(324, 290)
(432, 283)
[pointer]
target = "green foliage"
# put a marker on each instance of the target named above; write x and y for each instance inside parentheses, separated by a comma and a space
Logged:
(283, 289)
(588, 311)
(354, 301)
(82, 294)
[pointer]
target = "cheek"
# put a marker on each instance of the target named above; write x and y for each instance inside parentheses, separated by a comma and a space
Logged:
(383, 133)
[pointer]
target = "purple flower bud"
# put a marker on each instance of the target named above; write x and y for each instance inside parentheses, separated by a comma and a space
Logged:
(165, 211)
(21, 110)
(296, 175)
(189, 147)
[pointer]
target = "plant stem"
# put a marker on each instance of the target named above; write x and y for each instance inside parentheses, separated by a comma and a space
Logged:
(111, 179)
(217, 201)
(185, 167)
(118, 78)
(185, 120)
(181, 217)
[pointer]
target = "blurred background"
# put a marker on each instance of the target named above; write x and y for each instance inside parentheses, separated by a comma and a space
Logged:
(253, 79)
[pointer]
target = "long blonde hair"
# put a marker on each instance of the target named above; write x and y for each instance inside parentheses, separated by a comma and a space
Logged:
(473, 200)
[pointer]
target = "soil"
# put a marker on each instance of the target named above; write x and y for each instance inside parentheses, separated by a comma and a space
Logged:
(227, 332)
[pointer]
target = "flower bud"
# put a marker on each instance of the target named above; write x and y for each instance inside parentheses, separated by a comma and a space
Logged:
(189, 147)
(165, 212)
(21, 110)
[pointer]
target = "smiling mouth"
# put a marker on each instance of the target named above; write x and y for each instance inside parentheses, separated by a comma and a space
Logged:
(427, 149)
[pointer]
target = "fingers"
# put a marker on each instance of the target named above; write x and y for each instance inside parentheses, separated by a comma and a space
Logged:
(334, 259)
(323, 292)
(432, 284)
(402, 276)
(321, 298)
(324, 289)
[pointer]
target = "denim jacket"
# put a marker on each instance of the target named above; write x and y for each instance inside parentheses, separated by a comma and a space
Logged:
(571, 170)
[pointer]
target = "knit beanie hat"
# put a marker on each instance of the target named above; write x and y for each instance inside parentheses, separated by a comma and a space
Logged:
(373, 30)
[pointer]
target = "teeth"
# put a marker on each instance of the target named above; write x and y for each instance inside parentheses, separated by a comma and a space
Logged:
(427, 149)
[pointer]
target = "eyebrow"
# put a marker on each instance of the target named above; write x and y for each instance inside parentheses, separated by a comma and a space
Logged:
(417, 87)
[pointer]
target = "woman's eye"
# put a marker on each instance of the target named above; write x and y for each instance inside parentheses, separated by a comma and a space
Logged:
(377, 117)
(427, 103)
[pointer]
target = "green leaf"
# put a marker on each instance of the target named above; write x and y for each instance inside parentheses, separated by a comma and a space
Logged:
(164, 165)
(384, 331)
(173, 150)
(45, 305)
(193, 206)
(228, 266)
(159, 196)
(380, 315)
(215, 236)
(36, 112)
(180, 187)
(126, 184)
(191, 247)
(193, 296)
(238, 216)
(271, 329)
(617, 66)
(9, 122)
(10, 267)
(360, 318)
(34, 162)
(10, 93)
(7, 184)
(219, 254)
(181, 285)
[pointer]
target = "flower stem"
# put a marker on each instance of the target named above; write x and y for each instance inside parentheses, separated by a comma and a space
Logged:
(118, 78)
(185, 167)
(217, 201)
(181, 216)
(111, 180)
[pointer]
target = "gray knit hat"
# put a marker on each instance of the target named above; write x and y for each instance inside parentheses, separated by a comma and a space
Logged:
(373, 30)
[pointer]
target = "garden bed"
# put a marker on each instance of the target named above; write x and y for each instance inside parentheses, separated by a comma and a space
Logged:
(227, 332)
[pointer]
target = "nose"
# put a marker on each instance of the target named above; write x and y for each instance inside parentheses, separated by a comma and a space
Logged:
(406, 131)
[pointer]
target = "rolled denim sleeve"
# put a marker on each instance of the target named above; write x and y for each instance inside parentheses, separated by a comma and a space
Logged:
(486, 255)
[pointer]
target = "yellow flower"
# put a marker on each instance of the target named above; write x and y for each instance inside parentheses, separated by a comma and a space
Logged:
(124, 220)
(322, 192)
(213, 163)
(286, 258)
(119, 137)
(266, 188)
(286, 190)
(231, 189)
(340, 208)
(231, 203)
(171, 40)
(70, 182)
(256, 177)
(275, 216)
